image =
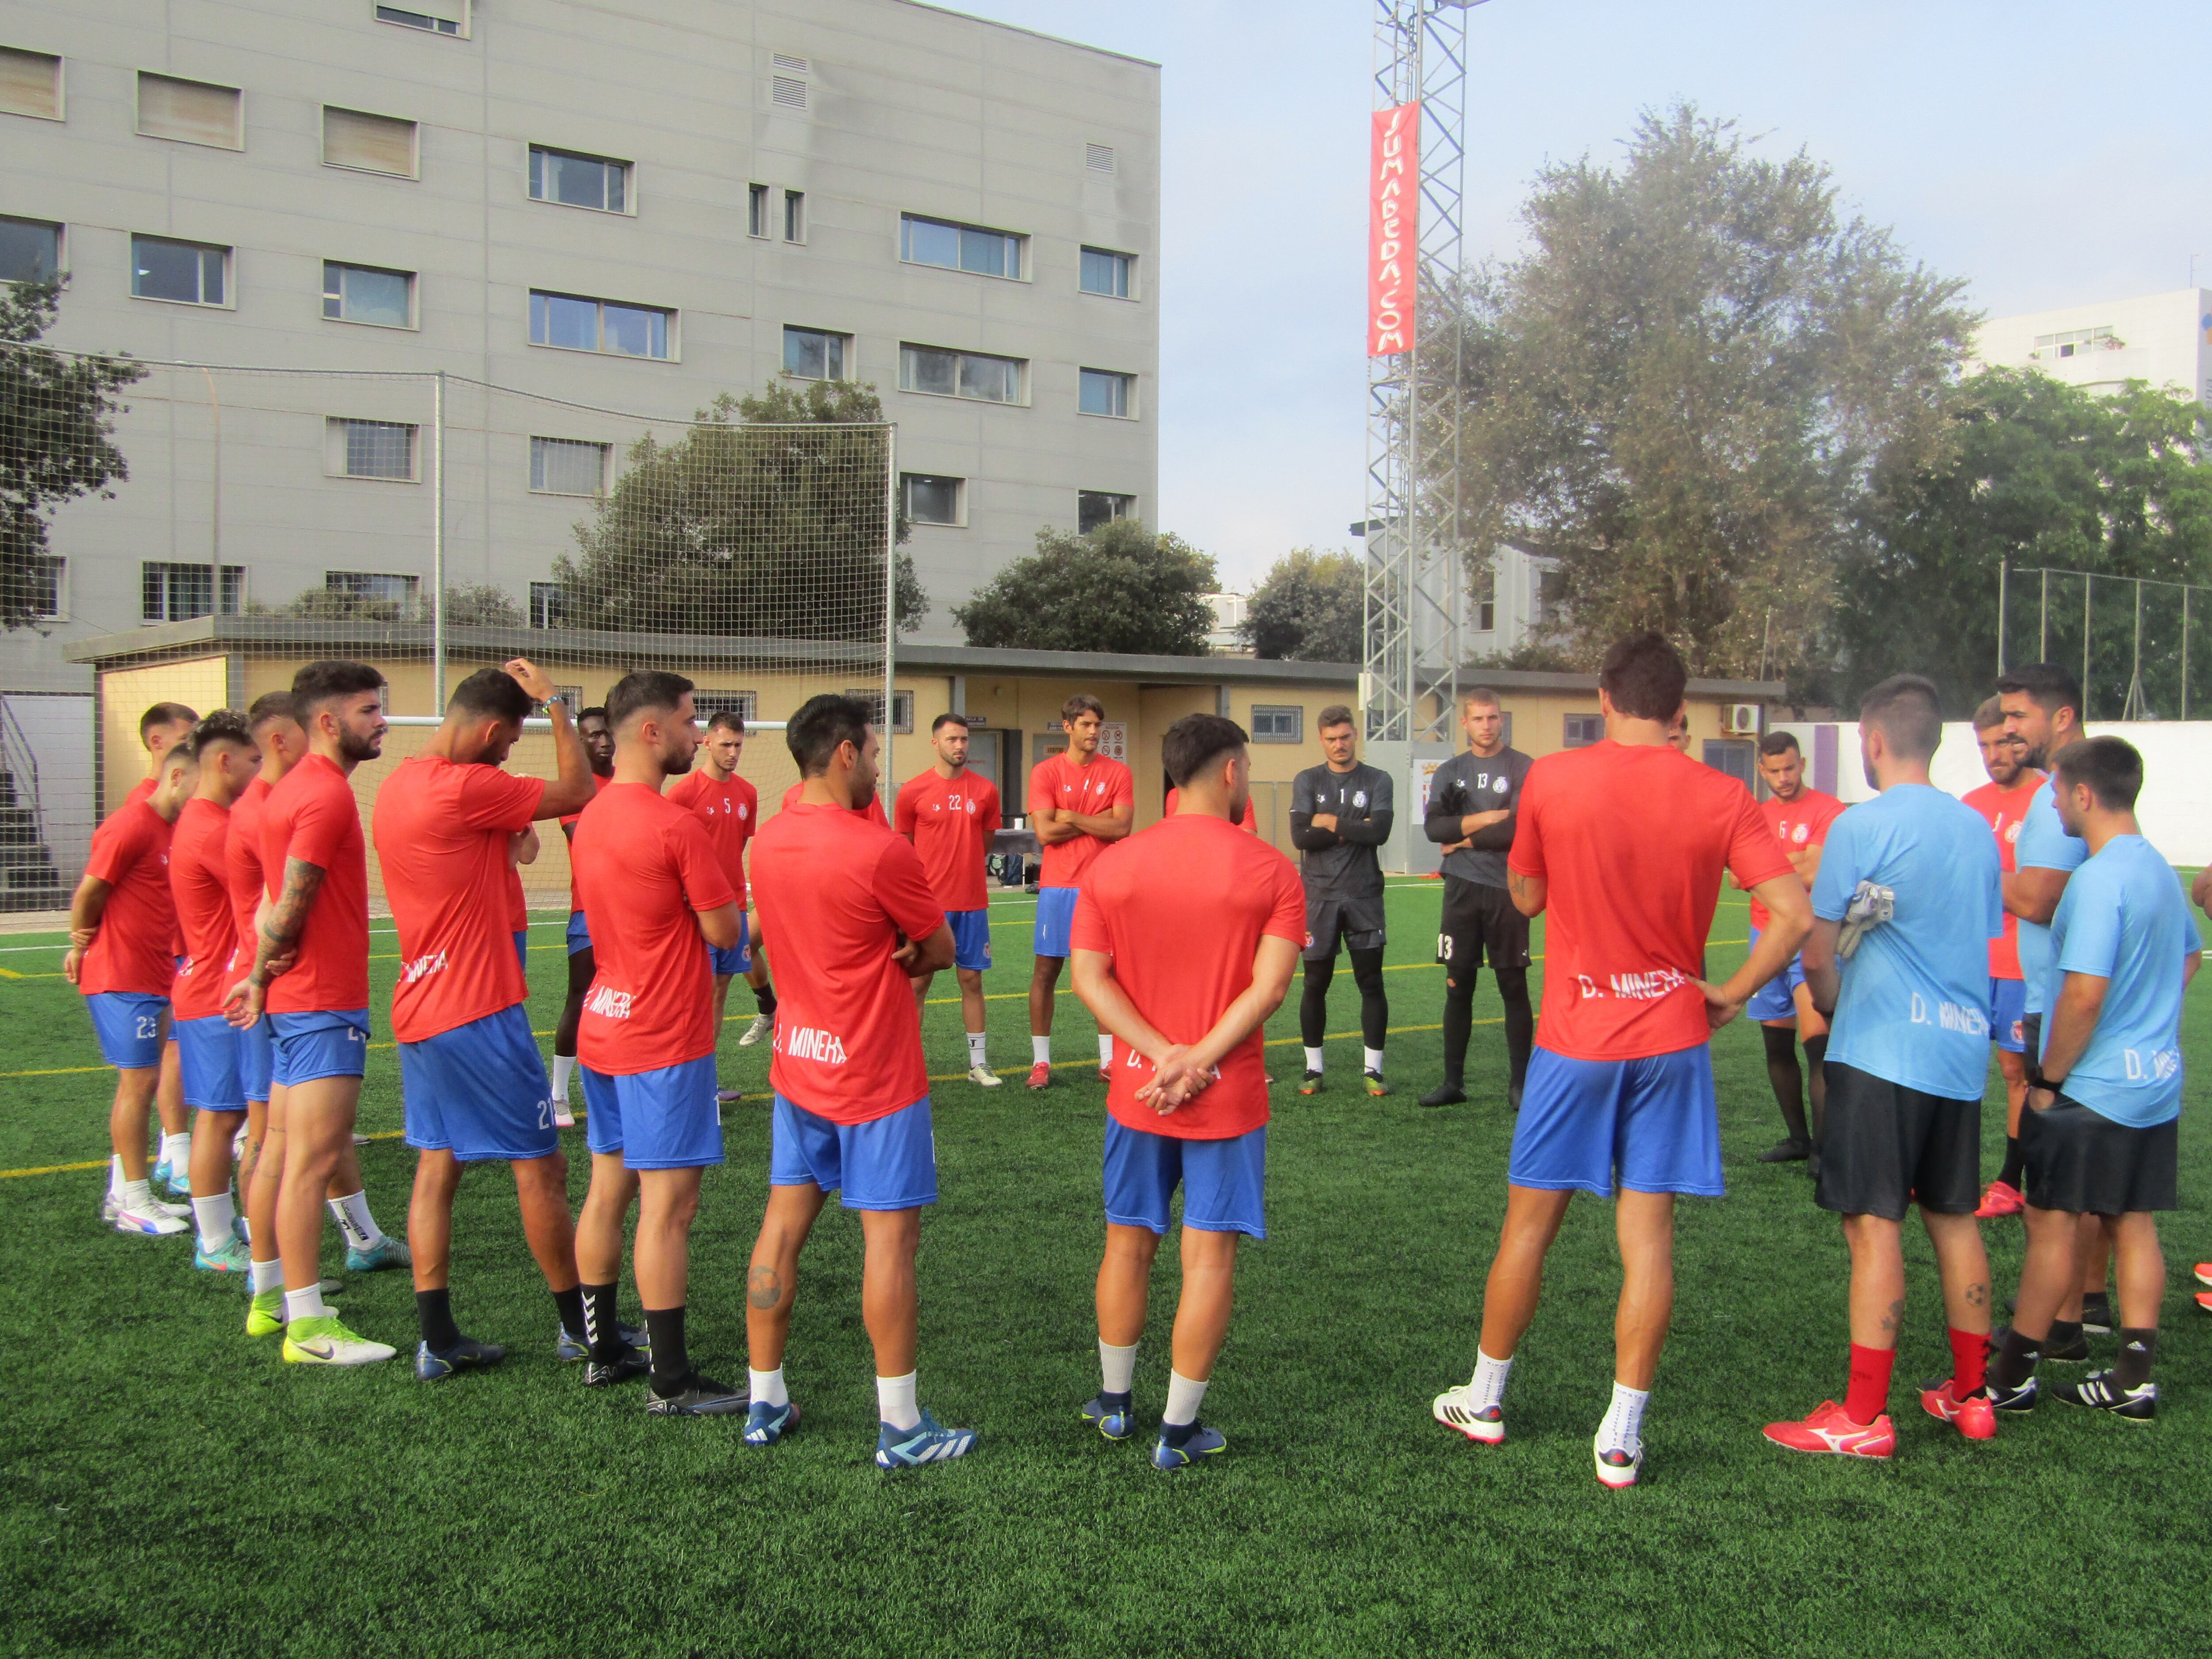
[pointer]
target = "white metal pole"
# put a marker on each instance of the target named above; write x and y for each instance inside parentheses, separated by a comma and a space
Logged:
(438, 544)
(890, 595)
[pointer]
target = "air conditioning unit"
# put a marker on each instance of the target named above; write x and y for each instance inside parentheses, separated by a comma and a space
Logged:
(1743, 718)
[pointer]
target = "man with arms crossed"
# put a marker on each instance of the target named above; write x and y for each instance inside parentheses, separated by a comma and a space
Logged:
(2101, 1135)
(849, 905)
(473, 1084)
(729, 808)
(1340, 812)
(1471, 816)
(1910, 1003)
(948, 813)
(161, 729)
(1080, 803)
(2002, 802)
(599, 744)
(1621, 1082)
(1185, 939)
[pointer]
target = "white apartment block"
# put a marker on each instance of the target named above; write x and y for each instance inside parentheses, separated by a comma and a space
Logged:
(1523, 602)
(627, 206)
(2165, 339)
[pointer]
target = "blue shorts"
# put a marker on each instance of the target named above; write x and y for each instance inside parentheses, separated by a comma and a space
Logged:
(1224, 1182)
(667, 1119)
(210, 1052)
(479, 1090)
(522, 949)
(1776, 1000)
(971, 938)
(887, 1163)
(1653, 1120)
(257, 1059)
(579, 936)
(2007, 1007)
(322, 1044)
(733, 959)
(1055, 920)
(131, 1027)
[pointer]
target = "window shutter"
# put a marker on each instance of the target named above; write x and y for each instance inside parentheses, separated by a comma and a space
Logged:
(373, 143)
(30, 84)
(189, 111)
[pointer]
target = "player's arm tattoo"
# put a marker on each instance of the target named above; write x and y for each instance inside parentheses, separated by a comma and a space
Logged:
(1527, 891)
(763, 1287)
(283, 920)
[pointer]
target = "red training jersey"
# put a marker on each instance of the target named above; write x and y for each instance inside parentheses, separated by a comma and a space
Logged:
(2004, 811)
(1632, 840)
(441, 835)
(241, 867)
(951, 822)
(835, 894)
(139, 791)
(1251, 820)
(1797, 824)
(1094, 791)
(730, 811)
(575, 893)
(310, 815)
(873, 811)
(199, 882)
(645, 864)
(1182, 908)
(134, 949)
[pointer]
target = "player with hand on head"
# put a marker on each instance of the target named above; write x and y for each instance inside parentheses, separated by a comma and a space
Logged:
(729, 808)
(1340, 812)
(1186, 936)
(1620, 1085)
(160, 728)
(950, 813)
(1080, 803)
(1906, 1063)
(2002, 802)
(599, 746)
(850, 907)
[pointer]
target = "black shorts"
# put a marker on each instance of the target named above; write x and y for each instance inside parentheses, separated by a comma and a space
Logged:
(1357, 922)
(1884, 1147)
(1478, 919)
(2081, 1162)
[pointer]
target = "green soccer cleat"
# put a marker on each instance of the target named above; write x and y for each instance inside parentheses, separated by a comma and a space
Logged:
(264, 1314)
(231, 1256)
(326, 1341)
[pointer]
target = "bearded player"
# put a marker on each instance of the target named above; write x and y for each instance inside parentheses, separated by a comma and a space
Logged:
(2002, 802)
(599, 744)
(729, 808)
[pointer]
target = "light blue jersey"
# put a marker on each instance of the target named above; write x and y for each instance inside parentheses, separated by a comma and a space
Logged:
(1914, 1007)
(2123, 918)
(2044, 844)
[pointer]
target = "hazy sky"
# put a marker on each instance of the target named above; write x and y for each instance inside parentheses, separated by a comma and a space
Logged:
(2049, 155)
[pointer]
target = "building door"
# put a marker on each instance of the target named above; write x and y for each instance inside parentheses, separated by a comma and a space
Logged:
(985, 747)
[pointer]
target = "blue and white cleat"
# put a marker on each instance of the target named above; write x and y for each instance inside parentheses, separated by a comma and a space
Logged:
(928, 1442)
(573, 1348)
(765, 1424)
(390, 1252)
(466, 1355)
(1199, 1442)
(231, 1256)
(1110, 1413)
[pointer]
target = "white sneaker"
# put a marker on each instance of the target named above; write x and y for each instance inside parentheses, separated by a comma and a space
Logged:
(1616, 1468)
(155, 1219)
(761, 1027)
(361, 1140)
(1454, 1409)
(562, 1117)
(984, 1078)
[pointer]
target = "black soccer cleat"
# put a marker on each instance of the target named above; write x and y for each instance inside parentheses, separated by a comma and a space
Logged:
(1787, 1152)
(629, 1363)
(2099, 1392)
(696, 1396)
(2018, 1401)
(435, 1365)
(1444, 1094)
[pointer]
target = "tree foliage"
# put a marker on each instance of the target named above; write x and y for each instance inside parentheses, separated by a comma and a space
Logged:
(57, 439)
(1310, 607)
(1122, 587)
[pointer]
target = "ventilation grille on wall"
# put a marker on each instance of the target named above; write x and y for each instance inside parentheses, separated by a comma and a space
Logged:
(1099, 158)
(788, 92)
(785, 61)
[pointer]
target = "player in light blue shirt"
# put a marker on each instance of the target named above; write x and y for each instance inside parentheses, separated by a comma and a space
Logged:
(2042, 706)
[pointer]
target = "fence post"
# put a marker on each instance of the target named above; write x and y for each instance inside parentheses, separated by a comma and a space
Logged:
(2088, 586)
(2004, 566)
(891, 597)
(2185, 651)
(438, 544)
(2043, 620)
(215, 506)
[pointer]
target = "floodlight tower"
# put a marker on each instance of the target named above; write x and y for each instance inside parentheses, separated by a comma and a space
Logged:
(1416, 580)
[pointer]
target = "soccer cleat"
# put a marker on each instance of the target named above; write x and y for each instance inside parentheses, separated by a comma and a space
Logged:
(1041, 1075)
(984, 1078)
(264, 1314)
(2074, 1353)
(389, 1252)
(2099, 1392)
(562, 1117)
(154, 1219)
(2002, 1198)
(573, 1348)
(694, 1396)
(765, 1424)
(928, 1442)
(1456, 1409)
(361, 1140)
(326, 1341)
(1309, 1083)
(1375, 1085)
(177, 1183)
(1787, 1152)
(728, 1097)
(1444, 1094)
(762, 1026)
(629, 1363)
(1200, 1441)
(1828, 1429)
(1105, 1074)
(1110, 1414)
(2097, 1313)
(1617, 1468)
(231, 1256)
(2204, 1273)
(1975, 1418)
(2014, 1402)
(432, 1365)
(2204, 1300)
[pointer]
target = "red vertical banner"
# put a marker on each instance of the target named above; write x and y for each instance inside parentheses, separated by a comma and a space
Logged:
(1393, 175)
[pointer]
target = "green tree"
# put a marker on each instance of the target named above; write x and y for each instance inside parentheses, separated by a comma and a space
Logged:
(57, 439)
(1121, 587)
(1310, 607)
(481, 605)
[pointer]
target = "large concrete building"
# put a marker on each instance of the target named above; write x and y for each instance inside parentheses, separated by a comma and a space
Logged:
(2165, 339)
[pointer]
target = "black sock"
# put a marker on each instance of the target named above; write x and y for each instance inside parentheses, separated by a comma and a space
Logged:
(1313, 1002)
(2013, 1363)
(2097, 1308)
(2138, 1347)
(1374, 1002)
(671, 1363)
(1520, 1021)
(570, 1301)
(766, 996)
(1459, 1025)
(2015, 1166)
(435, 1310)
(2065, 1333)
(601, 1329)
(1816, 1082)
(1787, 1080)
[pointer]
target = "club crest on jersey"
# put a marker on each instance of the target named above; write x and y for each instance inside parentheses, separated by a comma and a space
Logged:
(431, 962)
(1803, 832)
(812, 1043)
(1500, 783)
(2012, 835)
(1359, 798)
(608, 1003)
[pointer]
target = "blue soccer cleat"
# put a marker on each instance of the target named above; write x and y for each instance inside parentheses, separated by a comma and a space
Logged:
(390, 1252)
(231, 1256)
(1199, 1442)
(1109, 1414)
(466, 1355)
(928, 1442)
(573, 1348)
(765, 1424)
(170, 1178)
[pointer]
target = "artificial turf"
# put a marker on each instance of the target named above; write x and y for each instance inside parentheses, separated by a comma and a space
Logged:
(171, 1486)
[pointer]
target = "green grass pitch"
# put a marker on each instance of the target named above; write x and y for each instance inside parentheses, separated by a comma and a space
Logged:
(171, 1488)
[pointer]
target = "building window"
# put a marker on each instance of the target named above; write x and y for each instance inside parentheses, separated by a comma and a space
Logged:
(756, 210)
(584, 181)
(960, 374)
(549, 608)
(1105, 393)
(375, 593)
(1094, 507)
(189, 112)
(370, 449)
(901, 708)
(1278, 723)
(452, 21)
(189, 273)
(363, 294)
(368, 143)
(178, 592)
(960, 247)
(30, 251)
(1550, 596)
(575, 324)
(1106, 273)
(707, 704)
(812, 355)
(568, 466)
(572, 696)
(929, 500)
(794, 215)
(1583, 729)
(30, 84)
(1736, 756)
(47, 579)
(2075, 341)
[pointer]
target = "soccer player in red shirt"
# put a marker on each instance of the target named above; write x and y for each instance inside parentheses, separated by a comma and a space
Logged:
(849, 907)
(652, 890)
(123, 926)
(948, 813)
(310, 974)
(599, 744)
(1249, 821)
(1620, 1084)
(474, 1086)
(160, 728)
(1185, 940)
(2002, 802)
(729, 808)
(1080, 803)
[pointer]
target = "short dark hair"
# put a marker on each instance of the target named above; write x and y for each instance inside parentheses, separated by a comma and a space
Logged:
(821, 724)
(644, 689)
(596, 711)
(491, 694)
(1906, 709)
(1482, 694)
(223, 725)
(271, 706)
(943, 720)
(2111, 767)
(1082, 703)
(2051, 687)
(1991, 712)
(728, 719)
(1336, 713)
(1195, 742)
(1779, 743)
(164, 714)
(1644, 677)
(321, 682)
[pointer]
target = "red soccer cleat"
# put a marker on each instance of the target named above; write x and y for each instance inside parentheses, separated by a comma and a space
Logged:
(2204, 1300)
(2204, 1273)
(1975, 1419)
(1827, 1429)
(2002, 1199)
(1041, 1075)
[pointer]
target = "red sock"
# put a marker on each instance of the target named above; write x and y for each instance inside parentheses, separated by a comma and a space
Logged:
(1970, 1362)
(1869, 1392)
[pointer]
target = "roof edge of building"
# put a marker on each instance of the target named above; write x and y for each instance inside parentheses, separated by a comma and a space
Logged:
(1035, 34)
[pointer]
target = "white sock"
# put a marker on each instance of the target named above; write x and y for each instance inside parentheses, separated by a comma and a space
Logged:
(1040, 1051)
(305, 1304)
(975, 1050)
(768, 1388)
(177, 1152)
(894, 1402)
(1487, 1388)
(1313, 1060)
(136, 1196)
(1117, 1367)
(1105, 1050)
(562, 1064)
(354, 1221)
(115, 1181)
(215, 1216)
(1374, 1057)
(267, 1276)
(238, 1146)
(1623, 1428)
(1183, 1398)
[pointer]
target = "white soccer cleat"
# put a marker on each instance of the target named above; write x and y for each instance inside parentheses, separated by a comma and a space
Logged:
(761, 1027)
(153, 1217)
(562, 1117)
(1455, 1408)
(984, 1078)
(1617, 1468)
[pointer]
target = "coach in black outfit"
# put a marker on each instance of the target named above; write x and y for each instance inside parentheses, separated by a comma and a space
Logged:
(1340, 812)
